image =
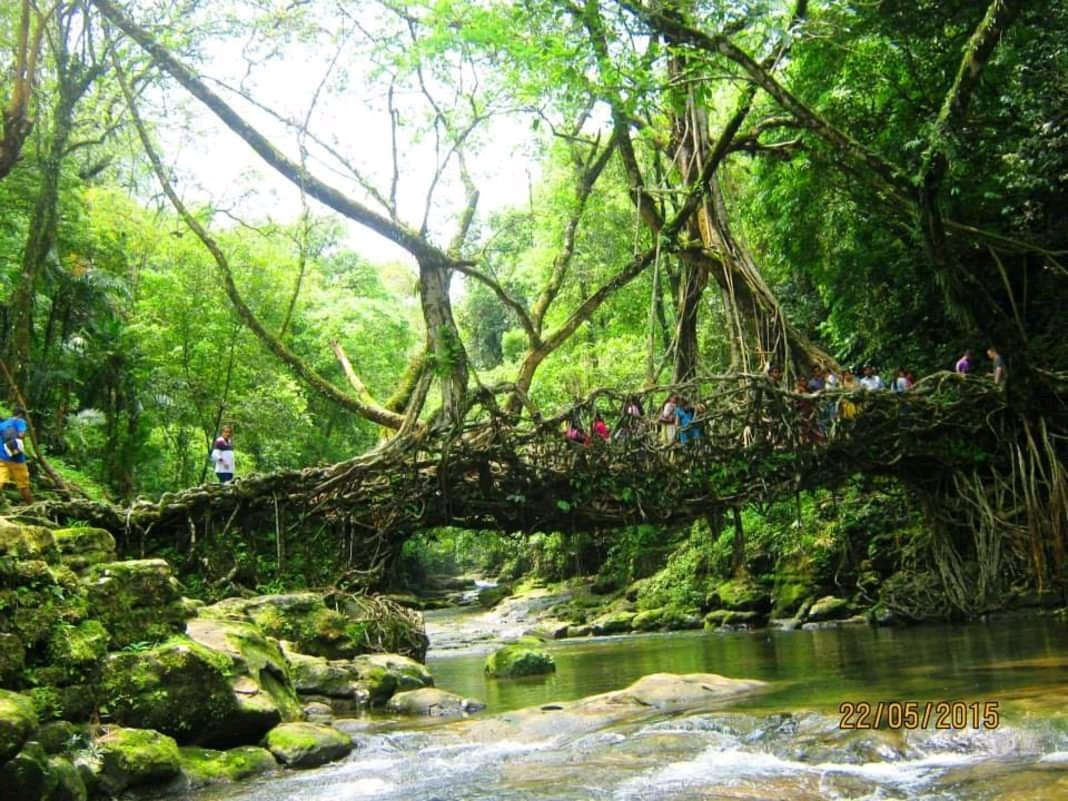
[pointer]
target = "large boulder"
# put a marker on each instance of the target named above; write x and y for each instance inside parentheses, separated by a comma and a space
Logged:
(203, 766)
(24, 542)
(613, 623)
(184, 689)
(651, 695)
(127, 758)
(301, 618)
(367, 680)
(35, 597)
(137, 601)
(12, 658)
(523, 658)
(307, 745)
(740, 595)
(796, 581)
(28, 776)
(76, 651)
(336, 626)
(81, 548)
(260, 675)
(17, 722)
(69, 783)
(431, 702)
(829, 608)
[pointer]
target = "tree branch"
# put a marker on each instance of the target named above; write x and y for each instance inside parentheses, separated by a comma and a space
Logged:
(397, 233)
(272, 343)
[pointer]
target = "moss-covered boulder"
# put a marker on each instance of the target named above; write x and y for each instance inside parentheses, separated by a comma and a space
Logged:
(18, 721)
(70, 785)
(137, 601)
(307, 745)
(796, 581)
(301, 618)
(260, 673)
(35, 597)
(829, 608)
(81, 548)
(648, 620)
(431, 702)
(523, 658)
(182, 689)
(27, 776)
(613, 623)
(24, 542)
(335, 626)
(489, 597)
(726, 617)
(366, 680)
(132, 757)
(61, 736)
(740, 595)
(12, 658)
(76, 650)
(204, 766)
(75, 702)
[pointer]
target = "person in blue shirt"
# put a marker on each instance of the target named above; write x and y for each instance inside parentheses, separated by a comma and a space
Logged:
(13, 454)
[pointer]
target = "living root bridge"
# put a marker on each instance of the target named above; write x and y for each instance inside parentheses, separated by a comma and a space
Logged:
(956, 440)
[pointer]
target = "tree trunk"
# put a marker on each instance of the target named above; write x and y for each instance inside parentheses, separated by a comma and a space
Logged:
(42, 231)
(445, 351)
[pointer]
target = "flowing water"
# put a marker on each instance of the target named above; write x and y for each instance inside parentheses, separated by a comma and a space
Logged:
(786, 743)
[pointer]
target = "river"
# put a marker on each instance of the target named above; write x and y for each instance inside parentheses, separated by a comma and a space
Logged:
(1009, 676)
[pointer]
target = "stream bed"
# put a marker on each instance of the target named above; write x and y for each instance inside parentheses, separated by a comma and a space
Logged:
(785, 743)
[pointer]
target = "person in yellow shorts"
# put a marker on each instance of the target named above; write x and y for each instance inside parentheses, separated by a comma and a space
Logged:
(13, 455)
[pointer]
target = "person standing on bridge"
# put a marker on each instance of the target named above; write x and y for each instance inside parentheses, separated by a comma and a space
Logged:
(599, 427)
(1000, 373)
(964, 363)
(668, 419)
(222, 454)
(872, 380)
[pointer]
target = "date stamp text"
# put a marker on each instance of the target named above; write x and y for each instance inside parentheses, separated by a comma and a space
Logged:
(919, 715)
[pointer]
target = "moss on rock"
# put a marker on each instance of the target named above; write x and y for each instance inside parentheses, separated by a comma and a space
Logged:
(729, 617)
(205, 766)
(740, 595)
(795, 582)
(77, 650)
(522, 658)
(19, 541)
(12, 658)
(28, 776)
(132, 757)
(81, 548)
(307, 745)
(137, 601)
(613, 623)
(261, 675)
(179, 688)
(829, 608)
(18, 721)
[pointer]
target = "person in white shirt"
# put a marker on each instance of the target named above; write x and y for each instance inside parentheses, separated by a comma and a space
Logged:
(222, 455)
(872, 380)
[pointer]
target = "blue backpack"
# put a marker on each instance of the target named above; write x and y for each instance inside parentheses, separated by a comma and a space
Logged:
(10, 434)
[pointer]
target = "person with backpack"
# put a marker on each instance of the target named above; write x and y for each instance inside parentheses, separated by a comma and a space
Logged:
(222, 455)
(13, 466)
(574, 430)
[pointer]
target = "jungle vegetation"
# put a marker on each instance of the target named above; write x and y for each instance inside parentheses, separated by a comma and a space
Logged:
(448, 202)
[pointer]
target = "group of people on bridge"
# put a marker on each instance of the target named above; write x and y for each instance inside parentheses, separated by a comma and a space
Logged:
(823, 400)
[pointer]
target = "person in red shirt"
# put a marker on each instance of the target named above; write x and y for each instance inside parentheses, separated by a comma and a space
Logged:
(600, 429)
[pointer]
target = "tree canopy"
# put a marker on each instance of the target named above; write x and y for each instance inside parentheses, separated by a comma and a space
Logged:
(575, 194)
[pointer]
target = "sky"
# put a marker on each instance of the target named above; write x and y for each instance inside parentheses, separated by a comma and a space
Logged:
(220, 168)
